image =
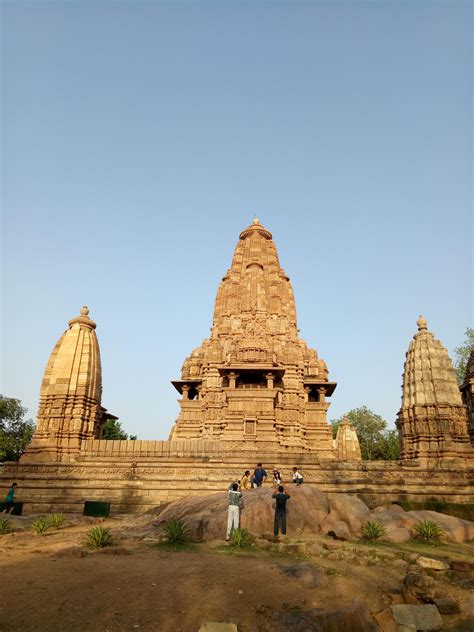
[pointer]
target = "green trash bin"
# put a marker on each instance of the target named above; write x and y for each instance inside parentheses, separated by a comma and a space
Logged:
(96, 509)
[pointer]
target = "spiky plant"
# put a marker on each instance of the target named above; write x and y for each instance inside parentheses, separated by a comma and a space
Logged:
(5, 526)
(240, 538)
(98, 537)
(176, 531)
(429, 531)
(56, 520)
(373, 530)
(40, 525)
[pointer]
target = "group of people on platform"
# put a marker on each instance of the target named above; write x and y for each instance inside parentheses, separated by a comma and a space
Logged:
(248, 481)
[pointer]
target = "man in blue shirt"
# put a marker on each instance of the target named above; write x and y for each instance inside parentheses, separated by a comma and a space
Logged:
(259, 476)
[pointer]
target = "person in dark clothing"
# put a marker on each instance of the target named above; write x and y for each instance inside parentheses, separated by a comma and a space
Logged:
(9, 504)
(281, 498)
(259, 476)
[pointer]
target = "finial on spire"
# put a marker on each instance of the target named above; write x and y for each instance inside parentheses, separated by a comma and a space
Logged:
(422, 324)
(255, 220)
(83, 318)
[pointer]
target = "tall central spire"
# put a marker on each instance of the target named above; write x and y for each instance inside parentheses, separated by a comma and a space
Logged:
(254, 380)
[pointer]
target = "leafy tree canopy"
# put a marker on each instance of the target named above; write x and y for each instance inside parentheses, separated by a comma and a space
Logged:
(15, 430)
(377, 442)
(461, 354)
(113, 430)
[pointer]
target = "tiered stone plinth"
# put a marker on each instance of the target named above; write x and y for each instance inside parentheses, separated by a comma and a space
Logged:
(139, 475)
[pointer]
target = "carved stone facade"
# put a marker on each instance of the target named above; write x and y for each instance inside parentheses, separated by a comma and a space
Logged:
(254, 380)
(70, 408)
(432, 419)
(347, 443)
(467, 392)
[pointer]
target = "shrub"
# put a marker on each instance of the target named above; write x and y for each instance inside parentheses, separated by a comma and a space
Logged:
(429, 531)
(240, 538)
(40, 525)
(5, 526)
(373, 530)
(98, 537)
(56, 520)
(176, 531)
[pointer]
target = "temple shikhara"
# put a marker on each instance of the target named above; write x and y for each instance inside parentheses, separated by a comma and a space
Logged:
(254, 380)
(252, 392)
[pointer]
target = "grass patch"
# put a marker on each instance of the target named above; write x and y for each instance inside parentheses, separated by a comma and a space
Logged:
(373, 530)
(240, 538)
(56, 520)
(429, 531)
(98, 537)
(6, 526)
(176, 532)
(40, 525)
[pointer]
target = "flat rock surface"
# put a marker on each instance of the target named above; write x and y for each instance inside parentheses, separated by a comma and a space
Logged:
(424, 617)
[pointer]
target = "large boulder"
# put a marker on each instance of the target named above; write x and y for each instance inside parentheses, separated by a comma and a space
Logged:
(309, 511)
(455, 529)
(206, 516)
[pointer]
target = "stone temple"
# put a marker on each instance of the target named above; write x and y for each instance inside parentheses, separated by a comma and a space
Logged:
(252, 392)
(254, 380)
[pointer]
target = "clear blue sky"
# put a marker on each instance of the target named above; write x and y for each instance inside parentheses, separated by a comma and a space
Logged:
(139, 139)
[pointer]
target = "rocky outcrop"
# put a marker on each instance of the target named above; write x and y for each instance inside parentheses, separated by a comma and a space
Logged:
(309, 511)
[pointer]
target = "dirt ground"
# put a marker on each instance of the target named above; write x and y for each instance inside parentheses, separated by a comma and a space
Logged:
(47, 583)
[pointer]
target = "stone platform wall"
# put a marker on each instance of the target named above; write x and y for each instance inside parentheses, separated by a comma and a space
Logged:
(137, 477)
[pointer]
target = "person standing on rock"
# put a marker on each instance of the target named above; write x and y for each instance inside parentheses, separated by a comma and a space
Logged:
(281, 498)
(233, 514)
(259, 476)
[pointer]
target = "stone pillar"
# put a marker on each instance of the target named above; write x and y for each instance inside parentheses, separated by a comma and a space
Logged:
(270, 378)
(232, 379)
(185, 391)
(307, 391)
(322, 394)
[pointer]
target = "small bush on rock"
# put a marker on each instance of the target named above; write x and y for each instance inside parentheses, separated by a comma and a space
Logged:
(373, 530)
(5, 526)
(176, 532)
(40, 525)
(240, 538)
(429, 531)
(56, 520)
(98, 537)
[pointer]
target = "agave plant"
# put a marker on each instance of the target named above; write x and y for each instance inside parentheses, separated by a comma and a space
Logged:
(98, 537)
(373, 530)
(176, 531)
(40, 525)
(56, 520)
(240, 538)
(5, 526)
(429, 531)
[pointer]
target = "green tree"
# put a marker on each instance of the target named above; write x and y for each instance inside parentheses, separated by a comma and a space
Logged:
(113, 430)
(15, 430)
(376, 441)
(461, 354)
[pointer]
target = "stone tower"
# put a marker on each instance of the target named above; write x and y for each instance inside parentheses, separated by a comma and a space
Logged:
(467, 390)
(432, 419)
(254, 382)
(346, 443)
(70, 398)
